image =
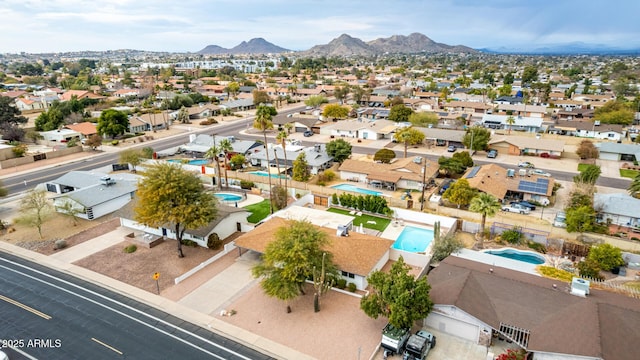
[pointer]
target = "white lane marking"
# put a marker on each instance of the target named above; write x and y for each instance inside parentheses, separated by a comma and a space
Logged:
(24, 353)
(123, 314)
(107, 346)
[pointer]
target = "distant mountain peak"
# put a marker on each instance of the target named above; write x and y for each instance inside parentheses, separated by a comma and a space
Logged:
(253, 46)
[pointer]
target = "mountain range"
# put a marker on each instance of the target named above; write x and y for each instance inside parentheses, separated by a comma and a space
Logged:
(345, 45)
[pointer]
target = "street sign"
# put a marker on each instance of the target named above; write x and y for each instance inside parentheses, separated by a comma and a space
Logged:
(156, 276)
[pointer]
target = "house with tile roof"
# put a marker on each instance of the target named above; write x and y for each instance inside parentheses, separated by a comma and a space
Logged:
(79, 94)
(478, 301)
(356, 255)
(86, 129)
(509, 184)
(406, 173)
(524, 145)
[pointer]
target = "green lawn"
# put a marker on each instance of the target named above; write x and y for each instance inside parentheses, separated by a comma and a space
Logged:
(258, 211)
(380, 223)
(629, 173)
(582, 167)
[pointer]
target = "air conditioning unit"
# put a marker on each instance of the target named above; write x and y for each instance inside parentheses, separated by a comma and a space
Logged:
(580, 287)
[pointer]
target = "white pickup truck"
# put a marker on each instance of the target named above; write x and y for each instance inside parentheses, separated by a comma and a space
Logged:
(516, 208)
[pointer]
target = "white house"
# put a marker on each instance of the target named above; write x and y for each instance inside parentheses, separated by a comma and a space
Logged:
(60, 135)
(93, 195)
(229, 219)
(620, 209)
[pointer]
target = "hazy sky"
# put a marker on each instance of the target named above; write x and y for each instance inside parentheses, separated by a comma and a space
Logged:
(36, 26)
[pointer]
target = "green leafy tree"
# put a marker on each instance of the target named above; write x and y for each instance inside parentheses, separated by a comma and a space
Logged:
(94, 141)
(279, 197)
(233, 88)
(49, 120)
(264, 123)
(505, 90)
(529, 74)
(615, 112)
(400, 113)
(423, 119)
(335, 111)
(398, 296)
(587, 150)
(460, 193)
(147, 152)
(588, 175)
(384, 155)
(589, 269)
(316, 100)
(408, 136)
(450, 166)
(339, 149)
(464, 158)
(212, 154)
(301, 168)
(488, 206)
(35, 209)
(9, 114)
(341, 92)
(71, 211)
(112, 123)
(169, 196)
(290, 259)
(580, 219)
(260, 97)
(606, 256)
(445, 246)
(237, 161)
(131, 156)
(480, 137)
(183, 116)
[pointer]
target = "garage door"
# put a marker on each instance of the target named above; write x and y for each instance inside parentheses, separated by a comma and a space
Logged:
(453, 326)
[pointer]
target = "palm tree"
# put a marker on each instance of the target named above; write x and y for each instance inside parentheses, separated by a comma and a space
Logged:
(212, 153)
(487, 205)
(634, 187)
(510, 121)
(226, 147)
(263, 122)
(281, 138)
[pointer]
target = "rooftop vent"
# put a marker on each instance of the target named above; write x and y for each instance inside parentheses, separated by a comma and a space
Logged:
(106, 181)
(580, 287)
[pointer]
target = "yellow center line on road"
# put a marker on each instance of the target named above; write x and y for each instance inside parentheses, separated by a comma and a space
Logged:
(107, 346)
(28, 308)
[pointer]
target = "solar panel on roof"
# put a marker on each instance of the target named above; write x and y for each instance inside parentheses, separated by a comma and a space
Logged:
(473, 172)
(538, 187)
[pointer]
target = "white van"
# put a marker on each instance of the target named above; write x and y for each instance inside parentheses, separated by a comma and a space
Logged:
(560, 220)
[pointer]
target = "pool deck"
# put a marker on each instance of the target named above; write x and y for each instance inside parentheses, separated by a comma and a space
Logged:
(499, 261)
(393, 230)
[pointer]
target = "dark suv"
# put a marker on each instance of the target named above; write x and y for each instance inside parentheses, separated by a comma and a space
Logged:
(492, 154)
(308, 133)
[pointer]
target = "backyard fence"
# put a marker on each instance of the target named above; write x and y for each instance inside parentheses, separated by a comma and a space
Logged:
(534, 235)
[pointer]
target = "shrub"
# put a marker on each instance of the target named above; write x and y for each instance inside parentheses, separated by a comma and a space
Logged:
(246, 184)
(351, 287)
(334, 199)
(59, 244)
(131, 248)
(590, 269)
(189, 243)
(209, 121)
(115, 142)
(551, 272)
(341, 283)
(537, 247)
(214, 242)
(512, 236)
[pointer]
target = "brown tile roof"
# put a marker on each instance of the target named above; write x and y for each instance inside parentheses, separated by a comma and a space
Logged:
(403, 168)
(523, 142)
(492, 179)
(602, 325)
(356, 254)
(85, 128)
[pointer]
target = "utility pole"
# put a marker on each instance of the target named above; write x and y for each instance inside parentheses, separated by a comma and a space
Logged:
(424, 180)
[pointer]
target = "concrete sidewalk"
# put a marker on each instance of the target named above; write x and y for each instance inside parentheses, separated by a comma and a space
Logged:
(89, 247)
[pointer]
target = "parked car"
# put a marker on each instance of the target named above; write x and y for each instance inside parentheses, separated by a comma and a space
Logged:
(539, 172)
(445, 185)
(545, 155)
(308, 133)
(526, 204)
(526, 164)
(492, 154)
(560, 220)
(452, 148)
(515, 208)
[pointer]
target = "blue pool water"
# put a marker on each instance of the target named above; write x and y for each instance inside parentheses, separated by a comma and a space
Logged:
(191, 162)
(524, 256)
(228, 197)
(349, 187)
(265, 174)
(413, 239)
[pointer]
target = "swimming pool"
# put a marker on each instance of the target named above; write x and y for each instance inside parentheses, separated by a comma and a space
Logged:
(191, 162)
(265, 174)
(349, 187)
(228, 197)
(524, 256)
(413, 239)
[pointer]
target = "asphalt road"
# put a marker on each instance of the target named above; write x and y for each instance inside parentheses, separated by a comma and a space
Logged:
(15, 184)
(46, 314)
